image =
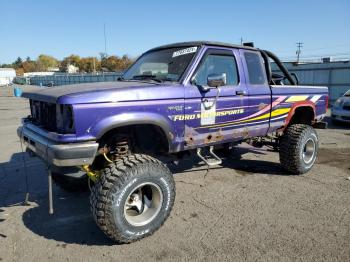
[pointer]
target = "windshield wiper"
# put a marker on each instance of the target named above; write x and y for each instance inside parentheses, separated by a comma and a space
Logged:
(152, 77)
(168, 79)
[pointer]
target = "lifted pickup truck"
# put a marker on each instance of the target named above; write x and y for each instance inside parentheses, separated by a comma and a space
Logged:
(192, 96)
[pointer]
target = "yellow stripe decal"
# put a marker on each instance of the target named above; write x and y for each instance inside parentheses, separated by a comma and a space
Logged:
(296, 99)
(277, 112)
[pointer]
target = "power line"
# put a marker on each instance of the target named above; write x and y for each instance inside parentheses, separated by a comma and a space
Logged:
(285, 50)
(321, 55)
(317, 59)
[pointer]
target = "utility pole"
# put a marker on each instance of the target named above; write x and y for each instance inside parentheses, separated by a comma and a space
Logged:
(298, 52)
(104, 34)
(241, 40)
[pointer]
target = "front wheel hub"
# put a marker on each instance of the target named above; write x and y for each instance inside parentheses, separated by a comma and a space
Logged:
(143, 204)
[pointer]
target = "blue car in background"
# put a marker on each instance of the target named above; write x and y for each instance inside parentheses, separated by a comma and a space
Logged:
(341, 108)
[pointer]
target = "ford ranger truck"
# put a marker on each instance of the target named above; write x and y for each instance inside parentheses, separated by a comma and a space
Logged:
(183, 97)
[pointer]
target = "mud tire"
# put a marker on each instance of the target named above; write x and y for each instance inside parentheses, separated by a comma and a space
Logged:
(298, 149)
(110, 194)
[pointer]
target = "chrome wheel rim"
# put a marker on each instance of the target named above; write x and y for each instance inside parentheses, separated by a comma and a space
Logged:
(143, 204)
(309, 150)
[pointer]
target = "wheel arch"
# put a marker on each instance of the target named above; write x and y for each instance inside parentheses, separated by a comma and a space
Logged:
(303, 112)
(154, 122)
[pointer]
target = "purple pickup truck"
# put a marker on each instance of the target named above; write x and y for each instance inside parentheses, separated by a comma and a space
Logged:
(185, 97)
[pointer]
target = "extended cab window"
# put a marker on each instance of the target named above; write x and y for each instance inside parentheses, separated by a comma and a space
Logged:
(217, 64)
(256, 71)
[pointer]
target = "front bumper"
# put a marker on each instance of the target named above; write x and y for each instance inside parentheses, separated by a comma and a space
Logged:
(341, 115)
(70, 154)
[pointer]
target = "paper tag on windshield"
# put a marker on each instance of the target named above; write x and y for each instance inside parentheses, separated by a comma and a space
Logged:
(185, 51)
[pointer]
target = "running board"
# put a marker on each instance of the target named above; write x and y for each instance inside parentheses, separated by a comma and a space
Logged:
(213, 161)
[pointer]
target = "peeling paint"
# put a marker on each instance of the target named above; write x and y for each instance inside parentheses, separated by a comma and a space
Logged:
(262, 106)
(245, 133)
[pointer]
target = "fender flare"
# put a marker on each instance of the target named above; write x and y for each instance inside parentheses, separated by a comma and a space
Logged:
(135, 118)
(298, 105)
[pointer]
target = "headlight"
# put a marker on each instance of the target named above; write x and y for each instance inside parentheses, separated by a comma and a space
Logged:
(338, 103)
(65, 119)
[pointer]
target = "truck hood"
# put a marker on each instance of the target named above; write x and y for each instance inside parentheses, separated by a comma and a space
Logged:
(98, 92)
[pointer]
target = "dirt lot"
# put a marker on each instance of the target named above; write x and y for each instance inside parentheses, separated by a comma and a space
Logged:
(246, 209)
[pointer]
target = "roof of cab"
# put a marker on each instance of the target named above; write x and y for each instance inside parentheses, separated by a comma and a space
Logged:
(200, 43)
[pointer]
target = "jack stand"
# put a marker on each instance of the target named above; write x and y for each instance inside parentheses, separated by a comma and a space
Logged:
(26, 198)
(50, 192)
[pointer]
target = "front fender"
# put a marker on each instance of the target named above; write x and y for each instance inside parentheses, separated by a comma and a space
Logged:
(136, 118)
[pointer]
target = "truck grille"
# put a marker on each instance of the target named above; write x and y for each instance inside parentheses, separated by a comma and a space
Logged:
(44, 115)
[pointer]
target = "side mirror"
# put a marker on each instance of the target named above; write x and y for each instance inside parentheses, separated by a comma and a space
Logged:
(295, 78)
(216, 80)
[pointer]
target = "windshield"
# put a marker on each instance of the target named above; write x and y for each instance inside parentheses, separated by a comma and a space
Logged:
(161, 65)
(347, 93)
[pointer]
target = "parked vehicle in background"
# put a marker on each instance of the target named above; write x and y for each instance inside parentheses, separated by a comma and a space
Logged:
(6, 76)
(184, 97)
(341, 109)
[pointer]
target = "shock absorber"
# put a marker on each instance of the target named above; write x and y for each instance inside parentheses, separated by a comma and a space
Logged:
(115, 148)
(122, 147)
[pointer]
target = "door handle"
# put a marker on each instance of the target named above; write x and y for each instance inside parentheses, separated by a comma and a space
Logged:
(241, 92)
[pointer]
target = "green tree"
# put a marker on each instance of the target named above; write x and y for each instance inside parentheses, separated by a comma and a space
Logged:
(89, 64)
(19, 71)
(29, 66)
(18, 63)
(115, 63)
(45, 61)
(126, 62)
(110, 63)
(70, 60)
(7, 66)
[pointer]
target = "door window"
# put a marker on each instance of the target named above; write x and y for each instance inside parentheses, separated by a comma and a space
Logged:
(217, 64)
(256, 72)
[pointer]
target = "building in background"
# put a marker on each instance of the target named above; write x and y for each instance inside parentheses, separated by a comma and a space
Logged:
(30, 74)
(6, 76)
(71, 69)
(333, 74)
(53, 69)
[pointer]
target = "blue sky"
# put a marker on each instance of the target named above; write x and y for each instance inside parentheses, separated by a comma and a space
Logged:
(61, 28)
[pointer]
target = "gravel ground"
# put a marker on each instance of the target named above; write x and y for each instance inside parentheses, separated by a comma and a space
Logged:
(245, 209)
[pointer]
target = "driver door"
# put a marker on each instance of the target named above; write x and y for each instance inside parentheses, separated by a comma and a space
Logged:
(210, 115)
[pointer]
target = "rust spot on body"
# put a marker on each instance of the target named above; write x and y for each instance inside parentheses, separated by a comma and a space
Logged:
(219, 136)
(245, 133)
(189, 140)
(214, 137)
(208, 139)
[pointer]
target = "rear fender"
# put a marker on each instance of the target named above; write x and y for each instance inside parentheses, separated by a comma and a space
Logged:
(297, 105)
